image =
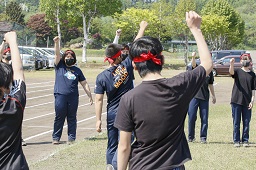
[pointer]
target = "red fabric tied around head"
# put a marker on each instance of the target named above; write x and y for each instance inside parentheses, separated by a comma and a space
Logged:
(111, 59)
(148, 56)
(69, 51)
(7, 50)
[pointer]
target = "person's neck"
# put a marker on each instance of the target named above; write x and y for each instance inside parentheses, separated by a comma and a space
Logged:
(246, 69)
(152, 76)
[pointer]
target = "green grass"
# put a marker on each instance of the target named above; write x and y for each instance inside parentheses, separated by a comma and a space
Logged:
(218, 153)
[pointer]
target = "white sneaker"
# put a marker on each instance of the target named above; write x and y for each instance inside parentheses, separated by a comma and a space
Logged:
(237, 145)
(245, 144)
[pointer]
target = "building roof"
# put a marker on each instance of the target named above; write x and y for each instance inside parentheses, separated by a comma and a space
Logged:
(5, 26)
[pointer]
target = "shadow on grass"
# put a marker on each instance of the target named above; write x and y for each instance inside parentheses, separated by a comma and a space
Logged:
(40, 143)
(96, 138)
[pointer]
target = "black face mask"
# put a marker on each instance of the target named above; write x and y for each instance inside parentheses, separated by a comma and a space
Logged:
(246, 63)
(124, 56)
(69, 61)
(8, 57)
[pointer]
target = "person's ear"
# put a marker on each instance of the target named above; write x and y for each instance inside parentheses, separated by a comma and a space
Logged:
(134, 66)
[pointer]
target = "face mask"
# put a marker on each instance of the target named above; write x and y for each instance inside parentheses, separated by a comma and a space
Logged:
(246, 63)
(8, 57)
(69, 61)
(124, 56)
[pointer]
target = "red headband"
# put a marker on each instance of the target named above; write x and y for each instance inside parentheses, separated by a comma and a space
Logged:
(111, 59)
(69, 51)
(7, 50)
(148, 56)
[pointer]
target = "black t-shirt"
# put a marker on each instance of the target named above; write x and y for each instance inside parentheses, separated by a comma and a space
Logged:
(244, 83)
(156, 111)
(203, 93)
(11, 115)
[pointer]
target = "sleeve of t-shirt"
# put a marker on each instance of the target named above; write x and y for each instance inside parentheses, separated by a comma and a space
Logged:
(99, 89)
(235, 73)
(211, 80)
(18, 92)
(81, 76)
(189, 82)
(59, 64)
(123, 119)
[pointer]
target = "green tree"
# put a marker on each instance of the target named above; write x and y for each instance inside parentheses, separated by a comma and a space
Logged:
(180, 28)
(14, 13)
(129, 22)
(234, 34)
(163, 10)
(214, 28)
(84, 11)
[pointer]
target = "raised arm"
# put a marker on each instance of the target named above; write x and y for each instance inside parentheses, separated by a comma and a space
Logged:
(231, 67)
(2, 50)
(57, 50)
(11, 39)
(118, 33)
(194, 22)
(193, 60)
(143, 26)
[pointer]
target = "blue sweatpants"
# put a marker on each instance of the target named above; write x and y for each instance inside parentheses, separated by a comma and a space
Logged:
(65, 107)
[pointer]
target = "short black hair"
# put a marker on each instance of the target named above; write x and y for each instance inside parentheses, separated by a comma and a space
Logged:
(112, 49)
(6, 76)
(66, 53)
(144, 45)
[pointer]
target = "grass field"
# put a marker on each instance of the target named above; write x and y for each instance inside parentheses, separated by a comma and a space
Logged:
(218, 153)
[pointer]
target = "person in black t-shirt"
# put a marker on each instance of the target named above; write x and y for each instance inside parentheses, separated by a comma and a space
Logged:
(156, 109)
(242, 98)
(201, 101)
(12, 105)
(115, 81)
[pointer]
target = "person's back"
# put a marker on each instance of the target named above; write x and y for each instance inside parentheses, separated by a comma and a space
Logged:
(156, 109)
(12, 105)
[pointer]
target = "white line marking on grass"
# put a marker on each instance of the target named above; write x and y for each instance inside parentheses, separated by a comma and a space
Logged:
(49, 131)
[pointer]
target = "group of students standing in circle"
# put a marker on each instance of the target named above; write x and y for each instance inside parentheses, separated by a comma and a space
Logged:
(145, 124)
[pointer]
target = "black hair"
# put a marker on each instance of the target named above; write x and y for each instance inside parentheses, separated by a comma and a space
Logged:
(112, 49)
(66, 53)
(6, 76)
(125, 46)
(144, 45)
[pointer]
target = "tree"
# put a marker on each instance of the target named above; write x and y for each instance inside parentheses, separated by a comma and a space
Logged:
(235, 32)
(41, 27)
(214, 28)
(14, 13)
(55, 13)
(130, 19)
(163, 10)
(87, 10)
(180, 28)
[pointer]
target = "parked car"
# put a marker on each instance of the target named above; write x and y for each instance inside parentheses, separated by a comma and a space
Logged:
(39, 55)
(38, 64)
(49, 55)
(28, 61)
(216, 55)
(221, 67)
